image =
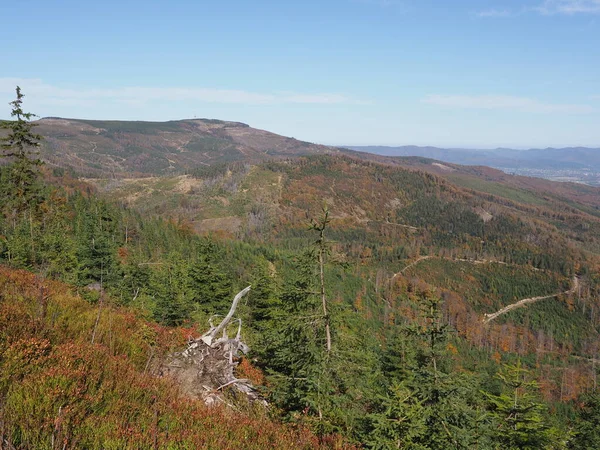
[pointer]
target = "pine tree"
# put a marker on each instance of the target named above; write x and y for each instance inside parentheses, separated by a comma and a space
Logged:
(587, 428)
(20, 179)
(519, 413)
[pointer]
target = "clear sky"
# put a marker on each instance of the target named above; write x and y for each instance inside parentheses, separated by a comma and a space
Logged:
(471, 73)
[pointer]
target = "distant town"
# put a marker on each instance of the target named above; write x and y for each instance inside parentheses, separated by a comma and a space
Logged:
(584, 176)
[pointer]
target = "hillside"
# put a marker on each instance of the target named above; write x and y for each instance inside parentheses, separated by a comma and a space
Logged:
(409, 257)
(262, 198)
(61, 388)
(121, 149)
(110, 148)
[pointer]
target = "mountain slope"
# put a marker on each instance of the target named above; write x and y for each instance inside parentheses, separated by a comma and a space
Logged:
(58, 387)
(95, 147)
(404, 232)
(103, 149)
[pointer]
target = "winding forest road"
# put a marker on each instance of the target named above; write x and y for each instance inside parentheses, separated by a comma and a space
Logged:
(487, 318)
(470, 261)
(418, 260)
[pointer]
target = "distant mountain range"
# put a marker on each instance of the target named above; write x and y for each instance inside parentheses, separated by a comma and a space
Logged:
(574, 158)
(100, 147)
(107, 148)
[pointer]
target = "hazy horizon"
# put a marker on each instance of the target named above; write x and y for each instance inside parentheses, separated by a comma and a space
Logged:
(469, 73)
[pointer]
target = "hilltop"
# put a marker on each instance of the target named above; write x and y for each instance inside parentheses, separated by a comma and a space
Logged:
(126, 149)
(109, 148)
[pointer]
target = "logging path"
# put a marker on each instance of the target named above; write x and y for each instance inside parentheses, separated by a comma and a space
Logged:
(487, 318)
(470, 261)
(415, 262)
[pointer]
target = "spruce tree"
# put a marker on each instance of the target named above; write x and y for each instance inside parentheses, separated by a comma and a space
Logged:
(321, 249)
(587, 427)
(20, 178)
(520, 415)
(428, 405)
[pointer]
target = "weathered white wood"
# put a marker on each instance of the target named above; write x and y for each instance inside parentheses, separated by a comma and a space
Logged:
(207, 365)
(208, 337)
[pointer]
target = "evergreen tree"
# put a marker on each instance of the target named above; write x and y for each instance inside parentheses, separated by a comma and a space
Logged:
(168, 287)
(428, 405)
(96, 230)
(264, 300)
(519, 415)
(209, 286)
(20, 185)
(587, 428)
(322, 250)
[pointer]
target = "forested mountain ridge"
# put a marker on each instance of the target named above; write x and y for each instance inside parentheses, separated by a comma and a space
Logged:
(122, 149)
(401, 266)
(109, 148)
(272, 197)
(488, 245)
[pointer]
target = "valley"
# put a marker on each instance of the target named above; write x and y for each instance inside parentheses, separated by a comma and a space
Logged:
(330, 225)
(415, 255)
(574, 164)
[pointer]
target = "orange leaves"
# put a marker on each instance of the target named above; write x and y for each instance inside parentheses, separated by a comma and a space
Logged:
(31, 349)
(22, 358)
(452, 349)
(60, 388)
(122, 254)
(497, 357)
(246, 370)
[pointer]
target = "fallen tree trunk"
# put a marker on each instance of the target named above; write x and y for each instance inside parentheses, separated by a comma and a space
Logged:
(207, 365)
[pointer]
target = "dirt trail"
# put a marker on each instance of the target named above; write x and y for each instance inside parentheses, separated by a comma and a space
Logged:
(415, 262)
(487, 318)
(471, 261)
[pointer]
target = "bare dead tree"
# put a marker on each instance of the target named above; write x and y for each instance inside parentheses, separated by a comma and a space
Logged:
(207, 365)
(320, 226)
(210, 334)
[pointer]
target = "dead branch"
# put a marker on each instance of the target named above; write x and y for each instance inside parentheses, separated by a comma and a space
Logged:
(208, 363)
(210, 334)
(240, 380)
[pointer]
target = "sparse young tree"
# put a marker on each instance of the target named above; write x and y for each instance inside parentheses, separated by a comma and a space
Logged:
(321, 248)
(20, 178)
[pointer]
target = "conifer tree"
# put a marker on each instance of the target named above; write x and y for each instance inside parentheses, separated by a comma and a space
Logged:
(264, 299)
(587, 428)
(321, 248)
(518, 412)
(20, 179)
(428, 405)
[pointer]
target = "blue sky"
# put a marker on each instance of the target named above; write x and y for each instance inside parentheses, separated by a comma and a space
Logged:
(462, 73)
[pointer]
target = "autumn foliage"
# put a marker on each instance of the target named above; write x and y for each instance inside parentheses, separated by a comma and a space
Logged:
(58, 390)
